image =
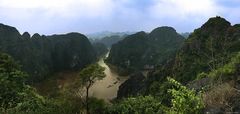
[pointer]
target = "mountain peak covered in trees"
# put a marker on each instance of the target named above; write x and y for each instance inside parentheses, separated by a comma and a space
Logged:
(144, 51)
(216, 22)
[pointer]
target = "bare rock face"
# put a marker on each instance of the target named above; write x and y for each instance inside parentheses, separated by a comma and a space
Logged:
(132, 86)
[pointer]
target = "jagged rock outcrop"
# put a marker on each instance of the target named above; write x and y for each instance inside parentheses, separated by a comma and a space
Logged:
(132, 86)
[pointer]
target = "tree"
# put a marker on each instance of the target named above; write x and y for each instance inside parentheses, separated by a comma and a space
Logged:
(12, 82)
(88, 76)
(15, 95)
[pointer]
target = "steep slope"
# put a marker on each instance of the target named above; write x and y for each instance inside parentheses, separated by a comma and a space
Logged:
(71, 51)
(207, 49)
(42, 55)
(100, 49)
(127, 53)
(144, 51)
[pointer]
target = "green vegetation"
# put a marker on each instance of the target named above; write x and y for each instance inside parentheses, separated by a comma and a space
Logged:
(208, 60)
(228, 70)
(184, 100)
(137, 105)
(200, 76)
(12, 84)
(15, 93)
(206, 49)
(16, 97)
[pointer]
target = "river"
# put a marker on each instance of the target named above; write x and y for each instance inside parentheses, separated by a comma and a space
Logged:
(105, 89)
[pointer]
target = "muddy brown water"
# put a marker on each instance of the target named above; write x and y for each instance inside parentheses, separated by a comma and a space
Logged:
(105, 89)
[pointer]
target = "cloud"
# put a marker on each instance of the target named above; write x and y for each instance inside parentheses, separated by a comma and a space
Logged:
(58, 16)
(64, 8)
(53, 16)
(183, 8)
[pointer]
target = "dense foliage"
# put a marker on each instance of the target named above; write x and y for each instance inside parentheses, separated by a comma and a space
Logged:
(184, 100)
(208, 61)
(137, 105)
(12, 80)
(204, 72)
(15, 94)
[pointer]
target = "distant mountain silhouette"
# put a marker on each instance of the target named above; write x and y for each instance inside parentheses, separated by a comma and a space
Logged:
(100, 35)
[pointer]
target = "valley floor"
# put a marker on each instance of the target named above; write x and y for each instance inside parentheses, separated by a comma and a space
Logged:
(103, 89)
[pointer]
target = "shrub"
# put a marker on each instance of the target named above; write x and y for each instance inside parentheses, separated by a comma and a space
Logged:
(137, 105)
(184, 101)
(227, 71)
(220, 96)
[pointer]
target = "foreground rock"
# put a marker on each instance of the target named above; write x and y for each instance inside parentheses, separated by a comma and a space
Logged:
(132, 86)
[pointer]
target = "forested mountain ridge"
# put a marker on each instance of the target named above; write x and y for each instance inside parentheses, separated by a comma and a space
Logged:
(206, 49)
(42, 55)
(144, 51)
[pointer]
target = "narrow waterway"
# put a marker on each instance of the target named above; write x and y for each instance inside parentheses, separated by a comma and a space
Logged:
(107, 87)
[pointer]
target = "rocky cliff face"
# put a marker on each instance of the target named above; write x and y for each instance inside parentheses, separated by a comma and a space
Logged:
(208, 59)
(41, 55)
(206, 49)
(132, 86)
(142, 50)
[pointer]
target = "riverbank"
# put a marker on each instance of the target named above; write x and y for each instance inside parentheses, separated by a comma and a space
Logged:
(105, 89)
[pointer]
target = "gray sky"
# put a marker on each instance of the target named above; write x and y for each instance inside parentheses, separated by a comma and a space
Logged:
(89, 16)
